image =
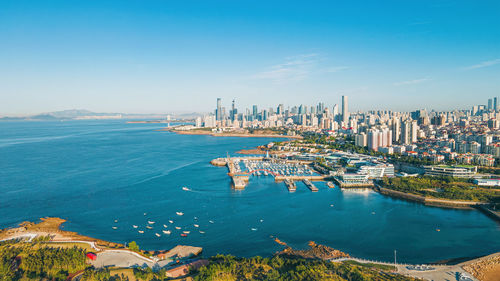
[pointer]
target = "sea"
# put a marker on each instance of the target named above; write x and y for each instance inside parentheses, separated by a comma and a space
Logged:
(106, 174)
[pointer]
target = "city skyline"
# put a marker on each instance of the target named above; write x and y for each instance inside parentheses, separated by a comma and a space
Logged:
(158, 56)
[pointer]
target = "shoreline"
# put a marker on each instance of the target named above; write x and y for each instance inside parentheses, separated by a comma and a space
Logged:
(428, 201)
(479, 266)
(242, 135)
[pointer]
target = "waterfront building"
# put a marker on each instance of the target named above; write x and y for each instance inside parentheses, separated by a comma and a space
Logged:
(451, 171)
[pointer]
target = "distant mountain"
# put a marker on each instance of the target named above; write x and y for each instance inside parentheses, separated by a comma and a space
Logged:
(76, 114)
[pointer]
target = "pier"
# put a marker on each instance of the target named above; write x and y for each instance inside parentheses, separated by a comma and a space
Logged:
(290, 184)
(311, 186)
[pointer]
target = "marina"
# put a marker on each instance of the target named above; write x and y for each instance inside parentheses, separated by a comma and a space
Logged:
(242, 169)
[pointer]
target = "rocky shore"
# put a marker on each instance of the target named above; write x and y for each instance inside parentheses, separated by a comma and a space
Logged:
(486, 268)
(314, 252)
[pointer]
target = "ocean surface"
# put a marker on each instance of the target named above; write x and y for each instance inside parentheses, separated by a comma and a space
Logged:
(95, 172)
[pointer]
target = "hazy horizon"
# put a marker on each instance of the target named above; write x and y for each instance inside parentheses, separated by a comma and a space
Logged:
(161, 57)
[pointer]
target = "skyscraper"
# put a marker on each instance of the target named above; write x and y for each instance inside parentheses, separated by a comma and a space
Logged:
(345, 109)
(255, 111)
(490, 104)
(218, 111)
(495, 104)
(233, 112)
(335, 111)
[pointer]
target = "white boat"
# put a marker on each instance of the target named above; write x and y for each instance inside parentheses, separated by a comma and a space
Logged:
(202, 232)
(165, 226)
(114, 227)
(134, 226)
(141, 231)
(185, 188)
(211, 221)
(185, 231)
(166, 231)
(151, 222)
(158, 235)
(171, 221)
(254, 229)
(149, 227)
(145, 213)
(116, 220)
(177, 227)
(195, 225)
(179, 213)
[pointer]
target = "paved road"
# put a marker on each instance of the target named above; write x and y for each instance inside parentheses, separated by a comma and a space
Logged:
(120, 259)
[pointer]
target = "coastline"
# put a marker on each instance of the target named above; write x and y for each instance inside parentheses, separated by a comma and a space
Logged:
(241, 135)
(438, 202)
(484, 268)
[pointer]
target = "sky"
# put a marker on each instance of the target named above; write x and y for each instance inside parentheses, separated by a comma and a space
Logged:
(155, 56)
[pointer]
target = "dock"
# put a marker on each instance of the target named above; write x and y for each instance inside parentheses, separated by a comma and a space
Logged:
(238, 183)
(290, 184)
(311, 186)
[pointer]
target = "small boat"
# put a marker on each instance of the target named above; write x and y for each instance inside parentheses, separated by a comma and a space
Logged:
(211, 221)
(195, 218)
(330, 184)
(114, 227)
(185, 188)
(141, 231)
(202, 232)
(165, 226)
(149, 227)
(331, 205)
(254, 229)
(179, 213)
(177, 227)
(184, 235)
(373, 213)
(195, 225)
(166, 231)
(157, 235)
(134, 226)
(116, 220)
(261, 220)
(145, 213)
(437, 229)
(171, 221)
(151, 222)
(186, 231)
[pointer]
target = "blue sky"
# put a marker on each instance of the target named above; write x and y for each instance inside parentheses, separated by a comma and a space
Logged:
(169, 56)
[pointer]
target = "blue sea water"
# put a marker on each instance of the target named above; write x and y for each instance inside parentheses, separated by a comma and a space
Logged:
(95, 172)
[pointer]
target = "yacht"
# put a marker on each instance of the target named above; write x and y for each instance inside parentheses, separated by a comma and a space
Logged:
(158, 235)
(179, 213)
(166, 231)
(185, 188)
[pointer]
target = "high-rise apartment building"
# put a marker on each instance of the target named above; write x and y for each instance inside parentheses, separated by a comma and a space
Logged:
(345, 109)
